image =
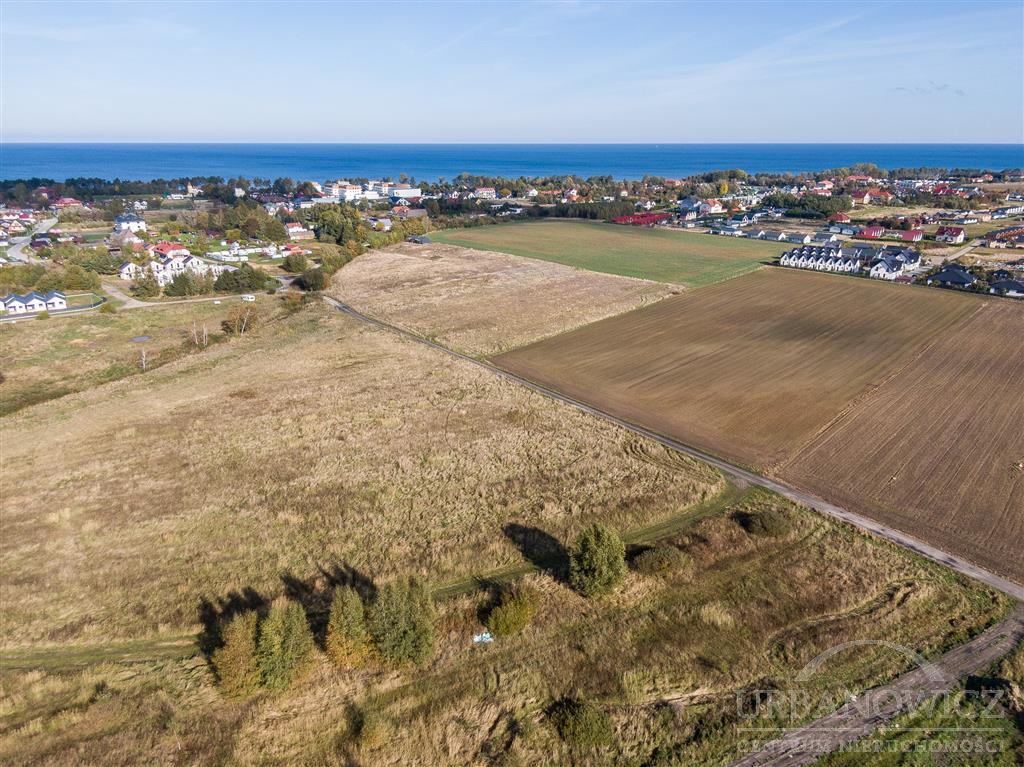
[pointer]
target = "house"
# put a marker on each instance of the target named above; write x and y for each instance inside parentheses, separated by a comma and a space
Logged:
(689, 205)
(888, 268)
(798, 238)
(711, 207)
(405, 192)
(755, 234)
(1013, 288)
(33, 302)
(952, 276)
(774, 235)
(485, 193)
(871, 232)
(826, 258)
(861, 197)
(820, 238)
(1000, 274)
(129, 222)
(164, 249)
(914, 235)
(839, 218)
(167, 268)
(297, 231)
(66, 202)
(727, 230)
(951, 234)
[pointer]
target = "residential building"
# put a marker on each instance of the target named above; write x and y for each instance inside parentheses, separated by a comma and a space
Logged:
(297, 231)
(33, 302)
(951, 234)
(1013, 288)
(485, 193)
(129, 222)
(952, 276)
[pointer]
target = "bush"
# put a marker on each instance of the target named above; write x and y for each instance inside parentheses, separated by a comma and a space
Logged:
(597, 564)
(295, 263)
(146, 287)
(43, 315)
(770, 523)
(515, 610)
(108, 308)
(285, 647)
(244, 279)
(369, 726)
(235, 661)
(402, 622)
(582, 723)
(661, 560)
(241, 319)
(348, 640)
(312, 279)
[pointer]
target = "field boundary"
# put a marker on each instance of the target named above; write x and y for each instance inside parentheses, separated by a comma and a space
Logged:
(731, 470)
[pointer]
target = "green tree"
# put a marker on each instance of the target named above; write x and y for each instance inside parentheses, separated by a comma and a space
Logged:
(145, 286)
(597, 564)
(402, 622)
(313, 279)
(515, 610)
(183, 284)
(295, 263)
(235, 660)
(348, 639)
(581, 723)
(285, 647)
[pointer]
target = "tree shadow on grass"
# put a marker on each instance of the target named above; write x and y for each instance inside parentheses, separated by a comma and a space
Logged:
(214, 615)
(542, 550)
(315, 593)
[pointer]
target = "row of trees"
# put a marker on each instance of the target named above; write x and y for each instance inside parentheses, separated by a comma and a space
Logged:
(272, 650)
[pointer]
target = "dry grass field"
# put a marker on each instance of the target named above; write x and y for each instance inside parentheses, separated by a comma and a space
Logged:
(483, 302)
(752, 368)
(938, 450)
(315, 446)
(46, 359)
(665, 659)
(682, 258)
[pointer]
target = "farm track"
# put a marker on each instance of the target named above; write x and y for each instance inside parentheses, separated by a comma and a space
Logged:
(736, 473)
(67, 657)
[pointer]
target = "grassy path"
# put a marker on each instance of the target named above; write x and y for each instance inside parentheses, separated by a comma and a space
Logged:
(67, 657)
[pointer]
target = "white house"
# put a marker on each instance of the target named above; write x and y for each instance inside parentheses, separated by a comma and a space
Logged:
(167, 268)
(406, 192)
(33, 302)
(485, 193)
(129, 222)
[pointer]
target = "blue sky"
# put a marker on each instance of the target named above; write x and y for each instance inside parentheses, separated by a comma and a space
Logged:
(513, 72)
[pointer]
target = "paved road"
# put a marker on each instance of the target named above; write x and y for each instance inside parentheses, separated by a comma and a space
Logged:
(18, 244)
(738, 473)
(860, 718)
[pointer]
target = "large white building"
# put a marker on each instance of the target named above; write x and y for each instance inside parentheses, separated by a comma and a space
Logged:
(129, 222)
(166, 268)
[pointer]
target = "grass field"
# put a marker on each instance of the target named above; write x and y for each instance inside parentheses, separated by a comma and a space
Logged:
(126, 505)
(682, 258)
(665, 659)
(938, 449)
(483, 302)
(752, 368)
(43, 360)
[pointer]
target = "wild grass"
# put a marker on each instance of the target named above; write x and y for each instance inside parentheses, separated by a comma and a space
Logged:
(315, 449)
(483, 302)
(657, 658)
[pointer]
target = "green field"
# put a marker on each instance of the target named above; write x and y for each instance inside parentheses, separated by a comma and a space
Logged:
(689, 259)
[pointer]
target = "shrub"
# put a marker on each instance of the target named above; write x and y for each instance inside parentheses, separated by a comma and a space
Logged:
(244, 279)
(235, 661)
(240, 319)
(402, 622)
(43, 315)
(369, 725)
(312, 279)
(515, 610)
(582, 723)
(295, 263)
(597, 564)
(285, 647)
(107, 308)
(146, 287)
(348, 640)
(661, 560)
(771, 523)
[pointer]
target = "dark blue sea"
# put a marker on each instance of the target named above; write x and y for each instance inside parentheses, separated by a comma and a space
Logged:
(430, 161)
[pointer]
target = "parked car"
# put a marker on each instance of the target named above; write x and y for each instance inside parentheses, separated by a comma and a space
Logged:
(249, 297)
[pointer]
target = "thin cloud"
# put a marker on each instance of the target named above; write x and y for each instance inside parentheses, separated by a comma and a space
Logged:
(136, 28)
(931, 89)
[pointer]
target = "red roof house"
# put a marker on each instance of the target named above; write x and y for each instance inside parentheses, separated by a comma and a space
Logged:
(839, 218)
(871, 232)
(914, 235)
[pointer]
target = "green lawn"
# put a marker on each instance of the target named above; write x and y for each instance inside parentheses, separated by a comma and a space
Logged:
(689, 259)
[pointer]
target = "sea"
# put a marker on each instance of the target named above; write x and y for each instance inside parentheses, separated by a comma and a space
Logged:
(429, 162)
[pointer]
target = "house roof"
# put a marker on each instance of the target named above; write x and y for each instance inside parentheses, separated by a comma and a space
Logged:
(1017, 286)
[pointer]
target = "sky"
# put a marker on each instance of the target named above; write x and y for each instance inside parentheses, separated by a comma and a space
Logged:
(517, 72)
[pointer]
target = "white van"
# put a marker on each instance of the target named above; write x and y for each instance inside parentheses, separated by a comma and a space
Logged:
(249, 297)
